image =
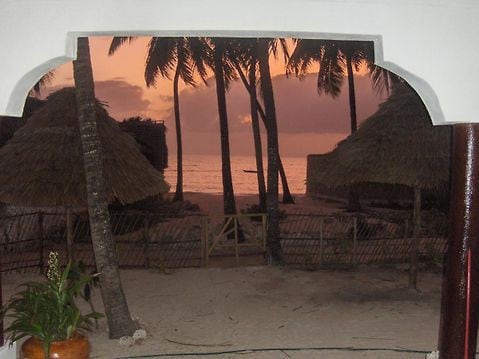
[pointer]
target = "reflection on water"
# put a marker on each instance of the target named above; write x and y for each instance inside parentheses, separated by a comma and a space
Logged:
(202, 173)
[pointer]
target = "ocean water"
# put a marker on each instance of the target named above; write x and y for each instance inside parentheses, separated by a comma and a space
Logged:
(202, 173)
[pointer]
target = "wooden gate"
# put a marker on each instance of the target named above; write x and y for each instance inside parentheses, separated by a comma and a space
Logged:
(235, 233)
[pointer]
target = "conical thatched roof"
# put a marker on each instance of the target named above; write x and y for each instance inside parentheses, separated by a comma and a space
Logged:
(397, 145)
(8, 125)
(42, 165)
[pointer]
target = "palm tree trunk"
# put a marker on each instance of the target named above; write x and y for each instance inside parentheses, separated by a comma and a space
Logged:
(287, 197)
(258, 150)
(273, 233)
(352, 94)
(179, 145)
(353, 199)
(116, 308)
(228, 192)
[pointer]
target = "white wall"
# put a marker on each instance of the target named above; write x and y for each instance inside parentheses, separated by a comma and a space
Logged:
(431, 43)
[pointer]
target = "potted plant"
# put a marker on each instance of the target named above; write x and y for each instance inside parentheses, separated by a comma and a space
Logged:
(47, 312)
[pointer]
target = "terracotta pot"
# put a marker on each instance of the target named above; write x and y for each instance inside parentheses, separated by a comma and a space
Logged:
(75, 348)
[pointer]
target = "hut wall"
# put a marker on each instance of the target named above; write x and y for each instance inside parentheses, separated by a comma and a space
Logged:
(368, 192)
(151, 136)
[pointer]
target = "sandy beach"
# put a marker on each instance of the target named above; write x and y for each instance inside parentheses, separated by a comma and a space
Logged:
(214, 310)
(212, 203)
(187, 312)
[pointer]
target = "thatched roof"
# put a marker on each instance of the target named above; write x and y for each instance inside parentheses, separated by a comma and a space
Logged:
(42, 165)
(8, 125)
(397, 145)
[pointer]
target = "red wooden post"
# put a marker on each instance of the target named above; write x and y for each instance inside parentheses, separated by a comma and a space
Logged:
(463, 237)
(2, 338)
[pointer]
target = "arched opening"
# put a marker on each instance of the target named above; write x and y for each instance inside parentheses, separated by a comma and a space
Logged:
(428, 27)
(312, 80)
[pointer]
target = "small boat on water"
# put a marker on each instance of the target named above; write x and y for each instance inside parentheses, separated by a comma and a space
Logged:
(250, 171)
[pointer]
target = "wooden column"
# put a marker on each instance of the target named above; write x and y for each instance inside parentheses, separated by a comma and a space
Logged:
(2, 337)
(460, 304)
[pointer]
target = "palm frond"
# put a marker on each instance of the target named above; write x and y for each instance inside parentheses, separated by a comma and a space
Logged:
(45, 80)
(200, 54)
(118, 41)
(331, 72)
(160, 60)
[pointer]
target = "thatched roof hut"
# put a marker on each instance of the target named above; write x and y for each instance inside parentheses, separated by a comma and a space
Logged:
(42, 165)
(398, 145)
(9, 125)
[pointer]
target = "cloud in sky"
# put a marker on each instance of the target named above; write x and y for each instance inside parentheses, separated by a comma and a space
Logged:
(122, 99)
(307, 122)
(299, 107)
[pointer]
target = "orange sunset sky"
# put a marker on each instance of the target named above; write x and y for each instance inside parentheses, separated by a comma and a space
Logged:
(308, 123)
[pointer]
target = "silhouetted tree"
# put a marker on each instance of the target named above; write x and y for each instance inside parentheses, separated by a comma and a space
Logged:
(116, 308)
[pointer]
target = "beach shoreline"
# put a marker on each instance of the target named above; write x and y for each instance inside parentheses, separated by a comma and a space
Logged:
(212, 203)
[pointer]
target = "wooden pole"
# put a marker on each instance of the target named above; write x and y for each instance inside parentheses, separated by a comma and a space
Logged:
(415, 238)
(355, 239)
(146, 238)
(321, 244)
(235, 219)
(463, 238)
(2, 337)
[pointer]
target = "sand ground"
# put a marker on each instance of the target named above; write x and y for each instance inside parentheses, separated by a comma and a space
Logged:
(223, 309)
(213, 203)
(210, 310)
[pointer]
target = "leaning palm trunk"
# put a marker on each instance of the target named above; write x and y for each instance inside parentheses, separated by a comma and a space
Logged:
(287, 197)
(116, 308)
(257, 137)
(353, 198)
(251, 87)
(273, 233)
(179, 144)
(228, 192)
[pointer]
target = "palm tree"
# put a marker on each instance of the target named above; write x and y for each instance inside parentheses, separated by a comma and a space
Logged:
(265, 46)
(116, 308)
(224, 74)
(179, 55)
(337, 59)
(246, 60)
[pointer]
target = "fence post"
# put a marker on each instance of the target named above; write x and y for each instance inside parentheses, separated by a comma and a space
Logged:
(206, 241)
(41, 238)
(203, 245)
(406, 228)
(235, 219)
(263, 230)
(321, 222)
(355, 239)
(146, 225)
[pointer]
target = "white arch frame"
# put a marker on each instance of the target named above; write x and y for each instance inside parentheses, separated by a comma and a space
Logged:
(423, 36)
